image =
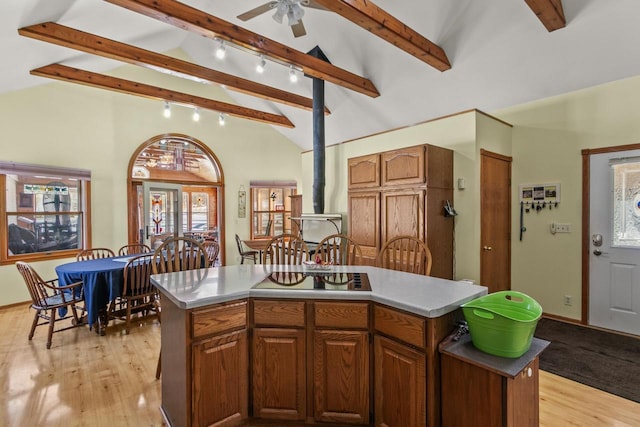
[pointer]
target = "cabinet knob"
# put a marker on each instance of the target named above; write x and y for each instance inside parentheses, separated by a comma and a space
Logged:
(529, 372)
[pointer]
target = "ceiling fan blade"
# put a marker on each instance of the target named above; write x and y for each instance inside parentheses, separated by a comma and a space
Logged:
(312, 4)
(257, 11)
(298, 29)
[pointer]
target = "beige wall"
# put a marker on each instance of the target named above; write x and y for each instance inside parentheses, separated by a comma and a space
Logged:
(548, 137)
(63, 124)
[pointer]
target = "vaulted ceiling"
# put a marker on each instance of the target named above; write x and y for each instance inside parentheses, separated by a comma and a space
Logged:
(392, 63)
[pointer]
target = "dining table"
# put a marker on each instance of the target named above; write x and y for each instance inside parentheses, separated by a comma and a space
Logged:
(102, 282)
(259, 245)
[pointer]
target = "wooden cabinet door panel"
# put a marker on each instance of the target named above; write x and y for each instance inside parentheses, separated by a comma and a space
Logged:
(279, 379)
(405, 166)
(364, 223)
(524, 388)
(402, 214)
(364, 171)
(341, 376)
(400, 385)
(439, 167)
(219, 388)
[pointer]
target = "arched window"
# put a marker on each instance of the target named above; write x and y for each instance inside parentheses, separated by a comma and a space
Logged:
(175, 188)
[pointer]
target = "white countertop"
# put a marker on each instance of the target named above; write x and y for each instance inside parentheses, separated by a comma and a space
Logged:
(422, 295)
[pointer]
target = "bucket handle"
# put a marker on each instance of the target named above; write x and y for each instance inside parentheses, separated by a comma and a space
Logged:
(514, 298)
(484, 314)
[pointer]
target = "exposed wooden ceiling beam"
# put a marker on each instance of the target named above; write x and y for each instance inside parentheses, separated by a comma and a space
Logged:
(204, 24)
(60, 35)
(370, 17)
(88, 78)
(549, 12)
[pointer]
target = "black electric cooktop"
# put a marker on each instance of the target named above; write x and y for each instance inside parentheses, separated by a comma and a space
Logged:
(316, 281)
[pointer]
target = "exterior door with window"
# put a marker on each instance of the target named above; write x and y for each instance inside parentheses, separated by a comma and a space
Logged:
(162, 205)
(614, 258)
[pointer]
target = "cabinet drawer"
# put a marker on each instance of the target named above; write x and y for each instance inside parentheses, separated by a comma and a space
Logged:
(341, 315)
(405, 327)
(278, 313)
(218, 319)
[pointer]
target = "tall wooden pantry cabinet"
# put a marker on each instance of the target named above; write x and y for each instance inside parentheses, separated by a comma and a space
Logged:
(403, 192)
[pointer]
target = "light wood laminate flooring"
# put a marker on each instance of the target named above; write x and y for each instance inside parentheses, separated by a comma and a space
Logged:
(89, 380)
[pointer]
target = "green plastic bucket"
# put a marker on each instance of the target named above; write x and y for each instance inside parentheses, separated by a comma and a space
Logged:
(502, 323)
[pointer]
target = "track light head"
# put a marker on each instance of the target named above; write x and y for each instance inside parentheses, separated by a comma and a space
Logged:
(261, 65)
(167, 109)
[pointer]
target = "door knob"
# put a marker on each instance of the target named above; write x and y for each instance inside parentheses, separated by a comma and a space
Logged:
(487, 248)
(598, 252)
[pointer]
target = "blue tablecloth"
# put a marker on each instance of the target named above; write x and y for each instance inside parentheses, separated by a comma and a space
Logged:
(102, 281)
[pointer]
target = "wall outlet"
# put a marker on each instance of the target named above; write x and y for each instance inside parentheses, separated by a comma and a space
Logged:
(558, 227)
(567, 300)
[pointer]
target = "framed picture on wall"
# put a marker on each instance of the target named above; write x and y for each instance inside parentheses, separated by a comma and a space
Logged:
(538, 193)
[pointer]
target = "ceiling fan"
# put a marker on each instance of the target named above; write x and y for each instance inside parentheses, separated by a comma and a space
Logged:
(292, 9)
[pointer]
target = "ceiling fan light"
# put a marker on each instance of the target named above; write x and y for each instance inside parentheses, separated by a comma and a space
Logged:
(297, 10)
(281, 10)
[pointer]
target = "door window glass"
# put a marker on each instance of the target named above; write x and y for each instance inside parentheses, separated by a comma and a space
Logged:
(626, 202)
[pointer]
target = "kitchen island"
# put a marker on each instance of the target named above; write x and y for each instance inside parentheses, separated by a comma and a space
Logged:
(306, 352)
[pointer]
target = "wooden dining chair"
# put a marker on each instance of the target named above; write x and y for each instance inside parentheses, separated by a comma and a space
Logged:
(134, 249)
(138, 293)
(405, 253)
(244, 253)
(286, 249)
(339, 249)
(179, 254)
(94, 253)
(47, 297)
(212, 248)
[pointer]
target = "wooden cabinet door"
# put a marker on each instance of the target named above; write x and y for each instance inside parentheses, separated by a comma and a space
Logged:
(341, 376)
(489, 398)
(523, 397)
(364, 171)
(279, 374)
(364, 223)
(399, 385)
(219, 381)
(439, 164)
(404, 166)
(402, 214)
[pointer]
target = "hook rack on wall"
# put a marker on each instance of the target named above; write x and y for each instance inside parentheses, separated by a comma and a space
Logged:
(537, 197)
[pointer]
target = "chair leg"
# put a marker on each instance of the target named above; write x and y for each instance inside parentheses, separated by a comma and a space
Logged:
(52, 320)
(127, 325)
(159, 367)
(34, 324)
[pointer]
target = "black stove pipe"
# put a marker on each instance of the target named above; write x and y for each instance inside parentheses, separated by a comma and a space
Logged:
(318, 146)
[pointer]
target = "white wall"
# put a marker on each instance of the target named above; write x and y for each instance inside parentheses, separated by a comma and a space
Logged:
(62, 124)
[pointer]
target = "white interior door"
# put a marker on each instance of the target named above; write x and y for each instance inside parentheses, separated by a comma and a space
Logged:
(614, 265)
(162, 212)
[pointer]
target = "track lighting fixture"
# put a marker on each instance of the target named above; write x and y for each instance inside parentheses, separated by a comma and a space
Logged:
(221, 51)
(167, 109)
(261, 65)
(293, 76)
(221, 119)
(196, 115)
